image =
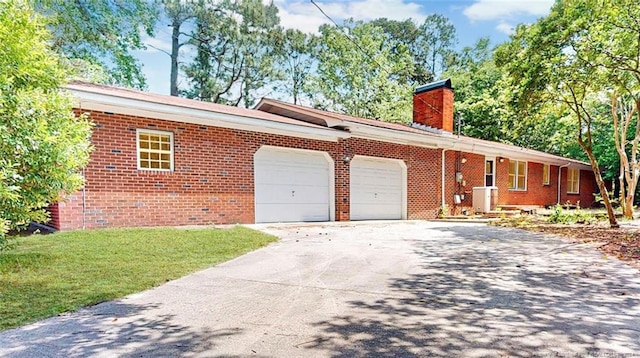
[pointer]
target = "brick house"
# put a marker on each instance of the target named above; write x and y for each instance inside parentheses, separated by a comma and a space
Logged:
(161, 160)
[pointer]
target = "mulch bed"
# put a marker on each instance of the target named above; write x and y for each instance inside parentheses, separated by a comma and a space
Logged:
(623, 242)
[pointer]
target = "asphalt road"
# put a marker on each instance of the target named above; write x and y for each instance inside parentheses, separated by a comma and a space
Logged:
(365, 290)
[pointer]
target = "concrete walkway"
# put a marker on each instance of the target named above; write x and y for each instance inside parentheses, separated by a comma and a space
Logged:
(378, 289)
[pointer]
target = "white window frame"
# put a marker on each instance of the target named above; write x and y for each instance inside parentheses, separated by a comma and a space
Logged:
(577, 181)
(171, 149)
(526, 175)
(546, 182)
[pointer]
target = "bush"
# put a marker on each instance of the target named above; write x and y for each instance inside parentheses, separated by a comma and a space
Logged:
(43, 145)
(560, 216)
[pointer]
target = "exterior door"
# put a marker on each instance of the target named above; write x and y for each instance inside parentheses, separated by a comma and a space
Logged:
(489, 172)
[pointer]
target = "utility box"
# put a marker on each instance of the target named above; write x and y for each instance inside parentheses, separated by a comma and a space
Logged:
(485, 198)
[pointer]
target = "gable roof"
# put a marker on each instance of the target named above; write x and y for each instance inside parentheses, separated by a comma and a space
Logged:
(144, 104)
(415, 135)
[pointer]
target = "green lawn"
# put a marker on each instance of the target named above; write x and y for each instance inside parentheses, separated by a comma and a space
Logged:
(43, 275)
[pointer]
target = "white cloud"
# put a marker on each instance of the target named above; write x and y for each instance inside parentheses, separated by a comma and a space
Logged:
(160, 43)
(505, 28)
(483, 10)
(306, 17)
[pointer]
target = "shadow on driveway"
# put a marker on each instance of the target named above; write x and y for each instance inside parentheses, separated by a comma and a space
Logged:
(94, 332)
(478, 293)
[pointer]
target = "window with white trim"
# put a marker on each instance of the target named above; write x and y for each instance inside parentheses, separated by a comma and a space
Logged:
(155, 150)
(517, 175)
(545, 174)
(573, 181)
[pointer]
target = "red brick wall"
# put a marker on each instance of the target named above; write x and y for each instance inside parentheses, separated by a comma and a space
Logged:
(472, 175)
(588, 186)
(543, 195)
(434, 108)
(212, 181)
(54, 216)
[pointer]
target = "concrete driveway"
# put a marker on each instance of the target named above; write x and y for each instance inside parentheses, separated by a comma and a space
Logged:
(376, 289)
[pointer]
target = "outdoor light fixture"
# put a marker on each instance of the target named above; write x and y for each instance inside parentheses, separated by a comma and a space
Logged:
(463, 160)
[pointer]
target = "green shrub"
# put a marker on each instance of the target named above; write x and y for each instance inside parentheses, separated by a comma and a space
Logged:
(560, 216)
(443, 211)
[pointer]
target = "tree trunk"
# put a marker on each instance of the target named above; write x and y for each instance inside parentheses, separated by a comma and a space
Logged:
(175, 48)
(623, 194)
(613, 222)
(628, 169)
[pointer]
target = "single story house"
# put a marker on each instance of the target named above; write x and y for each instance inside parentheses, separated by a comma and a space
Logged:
(161, 160)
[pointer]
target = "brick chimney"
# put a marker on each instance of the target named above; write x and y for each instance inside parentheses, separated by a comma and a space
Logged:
(433, 105)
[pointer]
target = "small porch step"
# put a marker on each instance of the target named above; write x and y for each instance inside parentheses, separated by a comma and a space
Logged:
(460, 217)
(501, 213)
(524, 209)
(465, 219)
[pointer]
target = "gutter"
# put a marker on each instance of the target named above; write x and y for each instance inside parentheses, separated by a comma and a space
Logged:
(559, 177)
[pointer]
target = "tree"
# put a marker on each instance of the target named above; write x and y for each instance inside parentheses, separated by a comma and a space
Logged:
(236, 49)
(405, 35)
(436, 41)
(101, 32)
(363, 72)
(479, 93)
(623, 116)
(568, 60)
(179, 13)
(42, 144)
(430, 44)
(297, 62)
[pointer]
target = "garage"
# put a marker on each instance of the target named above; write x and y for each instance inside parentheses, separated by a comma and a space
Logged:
(292, 185)
(378, 188)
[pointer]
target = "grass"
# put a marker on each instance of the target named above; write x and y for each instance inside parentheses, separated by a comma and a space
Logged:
(41, 276)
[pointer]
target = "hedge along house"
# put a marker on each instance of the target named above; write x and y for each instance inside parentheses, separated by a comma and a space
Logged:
(161, 160)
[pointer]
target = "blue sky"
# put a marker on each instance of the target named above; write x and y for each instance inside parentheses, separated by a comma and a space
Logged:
(473, 19)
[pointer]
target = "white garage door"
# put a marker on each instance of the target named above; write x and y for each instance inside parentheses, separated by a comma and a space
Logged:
(291, 185)
(376, 189)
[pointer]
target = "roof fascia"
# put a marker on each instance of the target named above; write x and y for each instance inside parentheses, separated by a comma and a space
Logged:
(108, 103)
(518, 153)
(455, 143)
(393, 136)
(328, 120)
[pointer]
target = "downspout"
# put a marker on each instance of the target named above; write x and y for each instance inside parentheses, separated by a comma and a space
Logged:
(84, 200)
(559, 178)
(84, 190)
(442, 206)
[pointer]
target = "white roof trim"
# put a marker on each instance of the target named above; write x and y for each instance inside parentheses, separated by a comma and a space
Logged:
(88, 100)
(468, 145)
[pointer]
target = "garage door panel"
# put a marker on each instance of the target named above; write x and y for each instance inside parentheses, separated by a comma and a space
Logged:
(376, 189)
(279, 175)
(297, 212)
(298, 194)
(294, 177)
(291, 185)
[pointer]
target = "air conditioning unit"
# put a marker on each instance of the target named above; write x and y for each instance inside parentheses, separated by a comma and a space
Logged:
(485, 198)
